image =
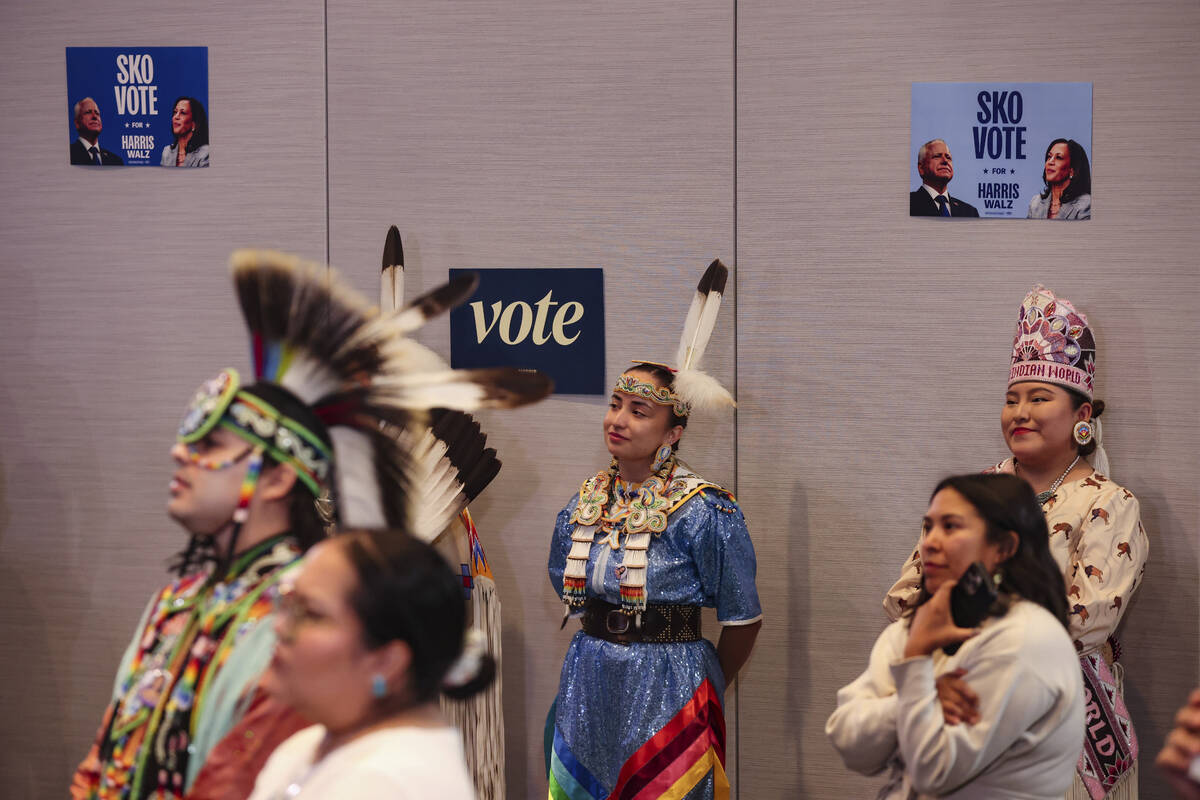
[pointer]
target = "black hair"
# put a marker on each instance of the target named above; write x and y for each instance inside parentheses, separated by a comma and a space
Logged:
(1007, 504)
(1078, 400)
(199, 123)
(407, 592)
(1081, 183)
(665, 378)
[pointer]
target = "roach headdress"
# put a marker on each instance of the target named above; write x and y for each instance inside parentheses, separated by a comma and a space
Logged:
(335, 382)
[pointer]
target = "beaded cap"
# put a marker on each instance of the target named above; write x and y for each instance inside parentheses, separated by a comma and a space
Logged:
(1053, 344)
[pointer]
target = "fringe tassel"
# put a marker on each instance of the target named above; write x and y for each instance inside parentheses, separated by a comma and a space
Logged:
(481, 718)
(1126, 787)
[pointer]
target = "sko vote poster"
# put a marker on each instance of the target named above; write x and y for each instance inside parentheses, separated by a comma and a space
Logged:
(138, 106)
(1001, 150)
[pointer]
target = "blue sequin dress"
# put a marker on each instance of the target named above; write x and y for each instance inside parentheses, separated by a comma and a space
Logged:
(646, 720)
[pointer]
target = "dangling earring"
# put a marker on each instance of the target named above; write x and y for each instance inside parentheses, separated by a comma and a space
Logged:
(1082, 432)
(661, 457)
(378, 686)
(998, 577)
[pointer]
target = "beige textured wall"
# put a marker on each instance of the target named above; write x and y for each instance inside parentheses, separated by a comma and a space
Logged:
(115, 304)
(872, 347)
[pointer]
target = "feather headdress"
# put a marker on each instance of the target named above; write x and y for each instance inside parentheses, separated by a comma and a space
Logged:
(693, 388)
(361, 376)
(450, 461)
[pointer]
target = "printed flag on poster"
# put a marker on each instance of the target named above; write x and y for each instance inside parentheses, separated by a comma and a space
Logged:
(1001, 150)
(138, 106)
(550, 320)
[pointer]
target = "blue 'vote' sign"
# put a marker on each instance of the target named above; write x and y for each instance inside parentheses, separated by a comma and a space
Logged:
(546, 319)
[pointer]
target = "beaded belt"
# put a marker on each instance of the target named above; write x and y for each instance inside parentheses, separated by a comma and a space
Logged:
(662, 623)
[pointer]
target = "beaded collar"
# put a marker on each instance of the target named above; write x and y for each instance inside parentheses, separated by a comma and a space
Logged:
(640, 517)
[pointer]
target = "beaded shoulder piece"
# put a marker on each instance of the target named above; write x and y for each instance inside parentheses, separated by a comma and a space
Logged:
(644, 518)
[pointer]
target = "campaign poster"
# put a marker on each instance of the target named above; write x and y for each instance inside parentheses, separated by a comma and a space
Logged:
(1001, 151)
(551, 320)
(138, 106)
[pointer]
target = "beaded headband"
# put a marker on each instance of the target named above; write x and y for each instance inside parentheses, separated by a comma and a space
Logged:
(659, 395)
(222, 402)
(1053, 343)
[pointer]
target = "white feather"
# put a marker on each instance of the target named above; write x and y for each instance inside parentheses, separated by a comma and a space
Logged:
(702, 391)
(438, 494)
(689, 328)
(446, 389)
(359, 502)
(707, 321)
(408, 355)
(309, 379)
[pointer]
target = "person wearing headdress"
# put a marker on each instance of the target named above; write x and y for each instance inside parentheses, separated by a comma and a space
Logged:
(339, 395)
(637, 552)
(1050, 421)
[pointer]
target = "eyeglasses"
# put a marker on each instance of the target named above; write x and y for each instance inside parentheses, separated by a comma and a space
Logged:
(293, 610)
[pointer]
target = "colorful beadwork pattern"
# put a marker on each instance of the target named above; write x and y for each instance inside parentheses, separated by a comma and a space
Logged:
(186, 642)
(640, 517)
(1053, 344)
(659, 395)
(208, 405)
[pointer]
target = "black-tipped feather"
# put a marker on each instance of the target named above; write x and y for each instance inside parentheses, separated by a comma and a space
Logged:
(714, 278)
(509, 388)
(438, 301)
(393, 249)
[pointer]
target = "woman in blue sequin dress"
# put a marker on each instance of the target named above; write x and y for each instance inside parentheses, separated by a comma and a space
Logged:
(638, 551)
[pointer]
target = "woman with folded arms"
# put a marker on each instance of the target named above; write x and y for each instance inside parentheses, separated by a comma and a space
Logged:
(1024, 733)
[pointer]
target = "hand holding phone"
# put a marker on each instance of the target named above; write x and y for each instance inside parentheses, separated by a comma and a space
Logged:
(970, 600)
(935, 625)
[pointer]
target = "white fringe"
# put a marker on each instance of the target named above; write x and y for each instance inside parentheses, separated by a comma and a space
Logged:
(1125, 789)
(481, 718)
(1099, 458)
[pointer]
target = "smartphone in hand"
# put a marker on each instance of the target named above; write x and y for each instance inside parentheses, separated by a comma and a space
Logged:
(970, 600)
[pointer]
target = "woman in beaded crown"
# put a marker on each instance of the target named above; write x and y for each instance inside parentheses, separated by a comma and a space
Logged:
(637, 552)
(1050, 423)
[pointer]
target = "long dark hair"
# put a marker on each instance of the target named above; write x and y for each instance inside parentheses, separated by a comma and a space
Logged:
(199, 123)
(1007, 504)
(1081, 183)
(407, 592)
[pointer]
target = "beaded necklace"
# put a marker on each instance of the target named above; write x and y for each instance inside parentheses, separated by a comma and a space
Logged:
(1042, 497)
(640, 512)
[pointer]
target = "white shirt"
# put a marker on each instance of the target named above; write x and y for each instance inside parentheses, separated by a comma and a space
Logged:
(399, 763)
(1030, 732)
